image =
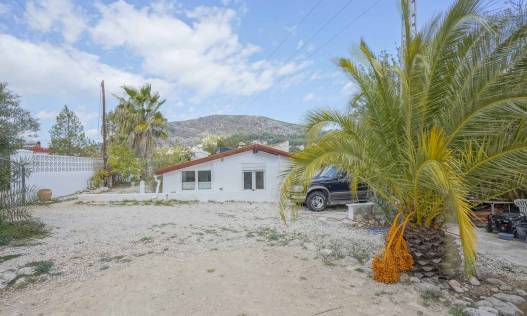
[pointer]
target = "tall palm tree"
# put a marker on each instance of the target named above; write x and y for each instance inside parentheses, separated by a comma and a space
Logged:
(444, 123)
(138, 117)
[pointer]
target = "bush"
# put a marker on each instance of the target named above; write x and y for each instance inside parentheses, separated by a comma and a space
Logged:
(21, 230)
(97, 180)
(41, 267)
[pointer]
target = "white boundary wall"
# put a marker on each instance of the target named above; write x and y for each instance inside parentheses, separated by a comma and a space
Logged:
(64, 175)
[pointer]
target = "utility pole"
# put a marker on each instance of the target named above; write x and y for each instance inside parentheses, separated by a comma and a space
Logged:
(104, 154)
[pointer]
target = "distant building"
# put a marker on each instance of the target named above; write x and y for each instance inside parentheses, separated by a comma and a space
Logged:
(36, 148)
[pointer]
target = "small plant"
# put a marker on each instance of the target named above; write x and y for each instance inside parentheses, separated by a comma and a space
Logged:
(21, 230)
(146, 239)
(211, 270)
(41, 267)
(429, 294)
(458, 311)
(270, 234)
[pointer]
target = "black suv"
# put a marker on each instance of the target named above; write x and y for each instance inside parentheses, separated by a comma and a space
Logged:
(332, 187)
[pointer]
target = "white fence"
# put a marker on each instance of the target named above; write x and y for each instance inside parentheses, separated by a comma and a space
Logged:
(64, 175)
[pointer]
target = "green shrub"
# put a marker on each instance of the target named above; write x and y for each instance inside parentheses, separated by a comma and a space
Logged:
(41, 267)
(97, 180)
(21, 230)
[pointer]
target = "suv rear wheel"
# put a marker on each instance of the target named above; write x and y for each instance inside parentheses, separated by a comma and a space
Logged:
(317, 201)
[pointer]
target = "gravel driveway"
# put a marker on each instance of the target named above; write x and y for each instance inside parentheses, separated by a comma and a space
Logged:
(203, 258)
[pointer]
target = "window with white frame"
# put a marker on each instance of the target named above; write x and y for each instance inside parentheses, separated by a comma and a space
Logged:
(188, 180)
(253, 180)
(204, 179)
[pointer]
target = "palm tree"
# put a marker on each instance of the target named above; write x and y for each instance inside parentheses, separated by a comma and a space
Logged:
(137, 116)
(444, 123)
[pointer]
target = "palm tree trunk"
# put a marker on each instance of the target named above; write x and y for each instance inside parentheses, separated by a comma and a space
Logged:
(427, 247)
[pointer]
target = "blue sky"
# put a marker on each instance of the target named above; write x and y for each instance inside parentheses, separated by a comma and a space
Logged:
(204, 57)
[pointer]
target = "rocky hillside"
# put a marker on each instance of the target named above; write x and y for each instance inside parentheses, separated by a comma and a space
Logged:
(190, 132)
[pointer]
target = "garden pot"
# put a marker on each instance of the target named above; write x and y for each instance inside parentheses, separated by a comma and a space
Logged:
(522, 231)
(44, 195)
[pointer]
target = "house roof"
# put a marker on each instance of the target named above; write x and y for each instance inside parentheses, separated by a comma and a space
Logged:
(42, 150)
(253, 147)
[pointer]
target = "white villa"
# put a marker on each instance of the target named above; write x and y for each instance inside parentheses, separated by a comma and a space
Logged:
(249, 173)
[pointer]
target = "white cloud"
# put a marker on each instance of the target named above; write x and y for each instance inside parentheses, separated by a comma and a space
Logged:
(201, 52)
(56, 16)
(86, 115)
(45, 70)
(46, 115)
(309, 97)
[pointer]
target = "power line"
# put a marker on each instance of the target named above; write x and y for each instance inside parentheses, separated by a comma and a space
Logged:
(295, 27)
(343, 29)
(280, 79)
(319, 30)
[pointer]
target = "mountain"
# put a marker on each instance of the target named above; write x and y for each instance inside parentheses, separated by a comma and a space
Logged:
(190, 132)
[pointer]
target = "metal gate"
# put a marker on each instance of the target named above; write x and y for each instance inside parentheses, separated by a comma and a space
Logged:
(15, 195)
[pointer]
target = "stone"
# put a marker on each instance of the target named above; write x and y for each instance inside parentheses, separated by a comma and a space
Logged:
(474, 281)
(483, 303)
(20, 281)
(505, 287)
(470, 311)
(415, 280)
(520, 292)
(6, 277)
(494, 289)
(405, 278)
(495, 281)
(444, 285)
(456, 286)
(485, 311)
(468, 299)
(515, 299)
(504, 308)
(458, 302)
(25, 271)
(508, 310)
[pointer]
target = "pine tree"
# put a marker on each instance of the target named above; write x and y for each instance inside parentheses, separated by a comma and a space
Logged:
(67, 135)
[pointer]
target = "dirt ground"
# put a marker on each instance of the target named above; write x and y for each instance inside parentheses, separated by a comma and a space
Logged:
(252, 281)
(203, 259)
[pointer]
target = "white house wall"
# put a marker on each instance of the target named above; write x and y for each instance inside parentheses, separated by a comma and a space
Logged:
(227, 178)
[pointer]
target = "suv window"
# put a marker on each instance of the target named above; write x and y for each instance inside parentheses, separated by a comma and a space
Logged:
(328, 172)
